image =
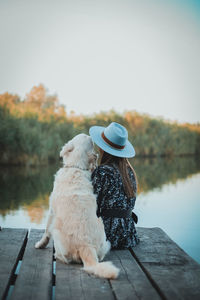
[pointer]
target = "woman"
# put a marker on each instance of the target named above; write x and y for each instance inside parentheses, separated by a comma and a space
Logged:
(114, 182)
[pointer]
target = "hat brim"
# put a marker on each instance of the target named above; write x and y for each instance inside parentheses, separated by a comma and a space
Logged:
(95, 132)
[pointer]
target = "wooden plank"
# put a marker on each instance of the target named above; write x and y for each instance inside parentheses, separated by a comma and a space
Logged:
(132, 282)
(175, 273)
(73, 283)
(35, 276)
(12, 242)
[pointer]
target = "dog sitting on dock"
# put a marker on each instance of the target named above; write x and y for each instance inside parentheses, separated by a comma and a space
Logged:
(77, 232)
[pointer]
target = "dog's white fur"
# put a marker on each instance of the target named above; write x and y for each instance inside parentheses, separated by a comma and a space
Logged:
(77, 232)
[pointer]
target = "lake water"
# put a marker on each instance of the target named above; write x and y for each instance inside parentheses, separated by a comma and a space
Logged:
(168, 198)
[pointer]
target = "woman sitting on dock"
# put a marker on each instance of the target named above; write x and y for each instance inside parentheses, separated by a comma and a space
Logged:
(115, 184)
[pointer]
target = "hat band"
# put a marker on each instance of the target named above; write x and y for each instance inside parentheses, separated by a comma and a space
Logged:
(111, 143)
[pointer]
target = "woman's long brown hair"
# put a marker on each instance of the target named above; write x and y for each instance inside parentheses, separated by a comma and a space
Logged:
(123, 164)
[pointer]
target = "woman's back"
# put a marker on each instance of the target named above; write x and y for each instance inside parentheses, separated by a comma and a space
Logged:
(108, 185)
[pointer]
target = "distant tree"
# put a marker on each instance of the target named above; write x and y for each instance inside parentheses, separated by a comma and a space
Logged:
(36, 97)
(9, 101)
(47, 106)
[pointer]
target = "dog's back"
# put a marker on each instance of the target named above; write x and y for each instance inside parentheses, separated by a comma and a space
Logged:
(74, 206)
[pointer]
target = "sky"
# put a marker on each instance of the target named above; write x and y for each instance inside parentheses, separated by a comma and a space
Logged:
(98, 55)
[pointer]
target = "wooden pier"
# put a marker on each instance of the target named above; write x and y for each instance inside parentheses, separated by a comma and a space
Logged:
(155, 269)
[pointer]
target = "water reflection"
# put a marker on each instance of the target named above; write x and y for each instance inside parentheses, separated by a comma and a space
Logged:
(155, 172)
(29, 188)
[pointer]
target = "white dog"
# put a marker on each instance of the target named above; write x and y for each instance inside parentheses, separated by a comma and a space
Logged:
(77, 232)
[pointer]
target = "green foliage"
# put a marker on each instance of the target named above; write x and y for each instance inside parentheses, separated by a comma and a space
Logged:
(151, 137)
(33, 131)
(29, 141)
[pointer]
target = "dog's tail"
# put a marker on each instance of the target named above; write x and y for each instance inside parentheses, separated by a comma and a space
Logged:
(91, 265)
(103, 269)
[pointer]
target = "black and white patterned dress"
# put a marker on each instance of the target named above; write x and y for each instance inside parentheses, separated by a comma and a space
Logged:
(108, 187)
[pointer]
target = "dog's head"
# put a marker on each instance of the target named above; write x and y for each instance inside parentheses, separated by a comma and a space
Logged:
(79, 152)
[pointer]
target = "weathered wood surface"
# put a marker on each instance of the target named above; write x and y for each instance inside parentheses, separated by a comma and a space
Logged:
(12, 242)
(175, 273)
(35, 276)
(74, 283)
(133, 283)
(155, 269)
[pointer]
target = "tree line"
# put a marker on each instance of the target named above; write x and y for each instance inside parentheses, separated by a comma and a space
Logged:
(33, 130)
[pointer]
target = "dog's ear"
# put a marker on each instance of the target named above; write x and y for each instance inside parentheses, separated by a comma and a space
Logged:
(66, 148)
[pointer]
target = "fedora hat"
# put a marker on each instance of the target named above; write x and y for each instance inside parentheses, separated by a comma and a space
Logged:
(113, 140)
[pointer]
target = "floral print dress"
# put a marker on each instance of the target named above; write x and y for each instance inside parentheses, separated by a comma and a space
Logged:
(108, 186)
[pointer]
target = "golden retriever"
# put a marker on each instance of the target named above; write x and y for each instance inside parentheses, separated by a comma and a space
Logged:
(77, 232)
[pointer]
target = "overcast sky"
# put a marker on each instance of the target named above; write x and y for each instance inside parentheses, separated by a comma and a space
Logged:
(97, 55)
